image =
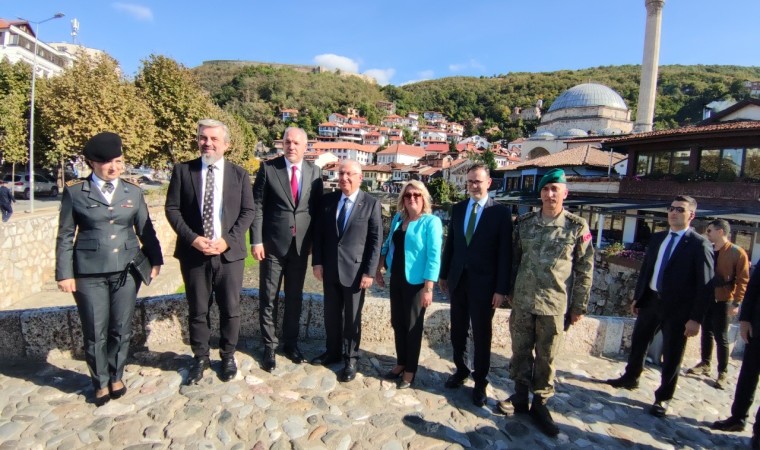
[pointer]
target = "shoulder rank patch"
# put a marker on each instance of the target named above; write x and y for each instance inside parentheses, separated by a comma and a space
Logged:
(75, 182)
(130, 181)
(586, 237)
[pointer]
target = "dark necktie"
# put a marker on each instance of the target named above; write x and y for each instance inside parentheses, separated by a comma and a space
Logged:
(294, 184)
(208, 204)
(107, 188)
(342, 218)
(471, 223)
(664, 262)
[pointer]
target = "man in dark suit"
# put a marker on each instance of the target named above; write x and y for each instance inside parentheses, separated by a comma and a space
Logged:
(475, 270)
(672, 294)
(347, 241)
(749, 326)
(210, 206)
(6, 201)
(286, 194)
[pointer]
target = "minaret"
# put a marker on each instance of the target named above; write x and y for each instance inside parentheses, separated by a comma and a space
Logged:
(648, 86)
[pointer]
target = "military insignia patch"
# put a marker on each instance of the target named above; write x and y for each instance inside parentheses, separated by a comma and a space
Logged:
(586, 237)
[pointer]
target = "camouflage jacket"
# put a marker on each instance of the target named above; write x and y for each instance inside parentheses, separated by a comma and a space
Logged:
(550, 259)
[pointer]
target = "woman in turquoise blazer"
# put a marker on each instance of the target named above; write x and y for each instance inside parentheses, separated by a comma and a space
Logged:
(412, 254)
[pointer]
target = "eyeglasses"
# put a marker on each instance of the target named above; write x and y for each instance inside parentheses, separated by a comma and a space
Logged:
(414, 195)
(679, 209)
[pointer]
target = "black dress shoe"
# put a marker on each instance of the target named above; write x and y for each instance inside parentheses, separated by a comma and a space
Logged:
(325, 359)
(268, 363)
(117, 393)
(100, 401)
(513, 405)
(730, 424)
(391, 375)
(479, 397)
(543, 419)
(659, 408)
(456, 379)
(349, 372)
(200, 364)
(294, 354)
(623, 382)
(229, 368)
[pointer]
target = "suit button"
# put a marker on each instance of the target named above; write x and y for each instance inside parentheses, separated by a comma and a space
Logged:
(116, 250)
(113, 236)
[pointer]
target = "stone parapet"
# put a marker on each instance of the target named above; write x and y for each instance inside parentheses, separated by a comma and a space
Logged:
(161, 322)
(27, 252)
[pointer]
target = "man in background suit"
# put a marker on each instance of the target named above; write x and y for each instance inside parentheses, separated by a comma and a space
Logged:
(672, 294)
(475, 270)
(286, 193)
(347, 242)
(210, 206)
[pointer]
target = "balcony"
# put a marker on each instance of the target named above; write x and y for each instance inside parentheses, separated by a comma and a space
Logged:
(726, 193)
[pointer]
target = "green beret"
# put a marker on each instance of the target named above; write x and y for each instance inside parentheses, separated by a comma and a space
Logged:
(552, 176)
(103, 147)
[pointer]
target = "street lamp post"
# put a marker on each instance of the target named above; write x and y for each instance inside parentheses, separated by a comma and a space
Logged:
(31, 108)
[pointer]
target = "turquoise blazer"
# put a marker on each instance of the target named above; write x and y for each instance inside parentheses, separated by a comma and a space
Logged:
(422, 248)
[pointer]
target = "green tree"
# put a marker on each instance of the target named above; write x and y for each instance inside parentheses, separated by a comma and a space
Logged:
(15, 82)
(87, 98)
(486, 157)
(408, 136)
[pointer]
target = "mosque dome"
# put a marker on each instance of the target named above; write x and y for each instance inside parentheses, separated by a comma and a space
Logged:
(610, 131)
(543, 135)
(588, 94)
(574, 132)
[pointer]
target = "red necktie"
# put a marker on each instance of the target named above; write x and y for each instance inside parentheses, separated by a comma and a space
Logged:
(294, 185)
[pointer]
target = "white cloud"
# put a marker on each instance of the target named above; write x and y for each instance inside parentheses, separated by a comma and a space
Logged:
(423, 75)
(333, 62)
(138, 12)
(471, 64)
(383, 76)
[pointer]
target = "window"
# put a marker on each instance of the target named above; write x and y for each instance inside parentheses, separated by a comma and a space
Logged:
(643, 164)
(661, 163)
(727, 164)
(674, 162)
(681, 161)
(529, 182)
(752, 163)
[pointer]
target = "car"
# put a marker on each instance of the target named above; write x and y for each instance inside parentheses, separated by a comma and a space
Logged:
(20, 185)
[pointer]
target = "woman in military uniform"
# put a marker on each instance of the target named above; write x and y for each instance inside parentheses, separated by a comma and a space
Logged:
(101, 219)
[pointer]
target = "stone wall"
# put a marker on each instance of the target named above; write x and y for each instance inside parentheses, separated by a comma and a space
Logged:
(27, 252)
(50, 333)
(613, 286)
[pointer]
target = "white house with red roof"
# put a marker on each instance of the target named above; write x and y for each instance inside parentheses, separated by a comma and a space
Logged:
(288, 115)
(392, 121)
(374, 138)
(337, 118)
(430, 134)
(363, 154)
(328, 129)
(400, 154)
(17, 40)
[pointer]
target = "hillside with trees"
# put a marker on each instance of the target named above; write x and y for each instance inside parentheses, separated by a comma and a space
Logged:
(259, 93)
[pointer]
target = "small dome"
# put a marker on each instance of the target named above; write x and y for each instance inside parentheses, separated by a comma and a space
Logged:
(588, 94)
(545, 135)
(574, 132)
(610, 131)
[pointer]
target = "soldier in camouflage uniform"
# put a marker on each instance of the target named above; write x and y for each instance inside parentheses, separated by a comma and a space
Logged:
(553, 254)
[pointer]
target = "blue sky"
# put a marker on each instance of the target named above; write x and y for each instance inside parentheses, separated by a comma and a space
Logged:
(405, 41)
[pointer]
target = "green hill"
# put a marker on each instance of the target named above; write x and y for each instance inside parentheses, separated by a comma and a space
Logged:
(258, 93)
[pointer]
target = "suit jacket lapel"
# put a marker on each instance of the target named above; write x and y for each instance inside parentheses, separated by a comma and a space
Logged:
(228, 189)
(306, 174)
(480, 222)
(120, 193)
(682, 243)
(95, 194)
(359, 204)
(195, 180)
(281, 169)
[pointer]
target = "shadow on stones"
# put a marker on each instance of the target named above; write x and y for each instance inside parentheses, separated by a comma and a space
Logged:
(43, 373)
(471, 439)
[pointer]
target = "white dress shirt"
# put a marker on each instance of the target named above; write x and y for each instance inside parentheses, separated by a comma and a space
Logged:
(481, 204)
(661, 253)
(100, 183)
(351, 202)
(299, 174)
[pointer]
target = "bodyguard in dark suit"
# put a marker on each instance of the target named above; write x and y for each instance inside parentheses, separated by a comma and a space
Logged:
(210, 206)
(347, 242)
(475, 269)
(286, 193)
(672, 294)
(101, 219)
(749, 326)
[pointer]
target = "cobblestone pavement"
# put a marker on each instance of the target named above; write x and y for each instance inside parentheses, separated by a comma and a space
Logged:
(43, 405)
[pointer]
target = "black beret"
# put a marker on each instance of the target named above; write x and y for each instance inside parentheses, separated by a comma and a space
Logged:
(103, 147)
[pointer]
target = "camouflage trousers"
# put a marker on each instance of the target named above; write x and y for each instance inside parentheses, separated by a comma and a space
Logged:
(535, 341)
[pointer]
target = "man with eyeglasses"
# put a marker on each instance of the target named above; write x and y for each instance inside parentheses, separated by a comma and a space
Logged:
(730, 283)
(347, 239)
(475, 271)
(672, 294)
(553, 265)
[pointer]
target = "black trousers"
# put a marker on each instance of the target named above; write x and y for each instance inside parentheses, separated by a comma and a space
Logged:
(343, 319)
(407, 320)
(715, 328)
(747, 381)
(656, 316)
(272, 270)
(213, 280)
(105, 309)
(469, 305)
